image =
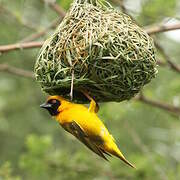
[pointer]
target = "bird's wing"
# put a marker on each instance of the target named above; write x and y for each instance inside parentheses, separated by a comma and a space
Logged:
(76, 130)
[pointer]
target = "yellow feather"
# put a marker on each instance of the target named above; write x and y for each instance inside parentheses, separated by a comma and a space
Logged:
(85, 125)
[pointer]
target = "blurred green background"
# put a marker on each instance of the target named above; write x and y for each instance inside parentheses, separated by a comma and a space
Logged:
(34, 147)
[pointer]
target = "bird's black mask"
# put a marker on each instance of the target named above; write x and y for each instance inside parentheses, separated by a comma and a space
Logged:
(52, 106)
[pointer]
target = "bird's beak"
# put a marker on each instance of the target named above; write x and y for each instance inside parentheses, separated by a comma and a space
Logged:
(46, 105)
(52, 108)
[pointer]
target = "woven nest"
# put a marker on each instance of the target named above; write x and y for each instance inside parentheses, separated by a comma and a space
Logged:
(109, 55)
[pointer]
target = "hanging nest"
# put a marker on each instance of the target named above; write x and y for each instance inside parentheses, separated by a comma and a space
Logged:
(109, 55)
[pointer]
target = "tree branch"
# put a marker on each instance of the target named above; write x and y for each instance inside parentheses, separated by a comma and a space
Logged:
(16, 71)
(20, 46)
(161, 28)
(161, 63)
(150, 29)
(58, 9)
(171, 64)
(158, 104)
(37, 35)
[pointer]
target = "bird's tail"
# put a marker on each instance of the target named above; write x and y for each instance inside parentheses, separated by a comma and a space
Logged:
(120, 155)
(116, 152)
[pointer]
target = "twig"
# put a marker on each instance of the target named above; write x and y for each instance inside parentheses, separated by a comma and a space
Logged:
(58, 9)
(72, 85)
(37, 35)
(171, 64)
(20, 46)
(161, 28)
(16, 71)
(121, 4)
(150, 29)
(161, 63)
(158, 104)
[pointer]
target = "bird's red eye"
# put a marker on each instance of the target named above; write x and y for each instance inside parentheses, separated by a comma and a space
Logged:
(53, 101)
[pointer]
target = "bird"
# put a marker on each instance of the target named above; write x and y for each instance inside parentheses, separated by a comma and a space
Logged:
(85, 125)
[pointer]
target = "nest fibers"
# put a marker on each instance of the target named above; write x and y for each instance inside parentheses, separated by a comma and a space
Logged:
(102, 50)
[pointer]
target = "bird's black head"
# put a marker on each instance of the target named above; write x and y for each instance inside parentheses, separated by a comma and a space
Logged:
(52, 106)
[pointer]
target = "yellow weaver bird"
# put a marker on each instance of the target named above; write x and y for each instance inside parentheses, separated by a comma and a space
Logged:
(84, 124)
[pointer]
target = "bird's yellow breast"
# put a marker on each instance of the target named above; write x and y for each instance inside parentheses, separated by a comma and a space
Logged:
(89, 121)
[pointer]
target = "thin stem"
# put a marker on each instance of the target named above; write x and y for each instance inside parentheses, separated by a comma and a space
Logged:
(41, 33)
(170, 63)
(158, 104)
(161, 28)
(55, 7)
(72, 84)
(20, 46)
(16, 71)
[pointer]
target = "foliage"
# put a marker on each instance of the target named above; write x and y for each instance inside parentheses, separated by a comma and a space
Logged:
(6, 172)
